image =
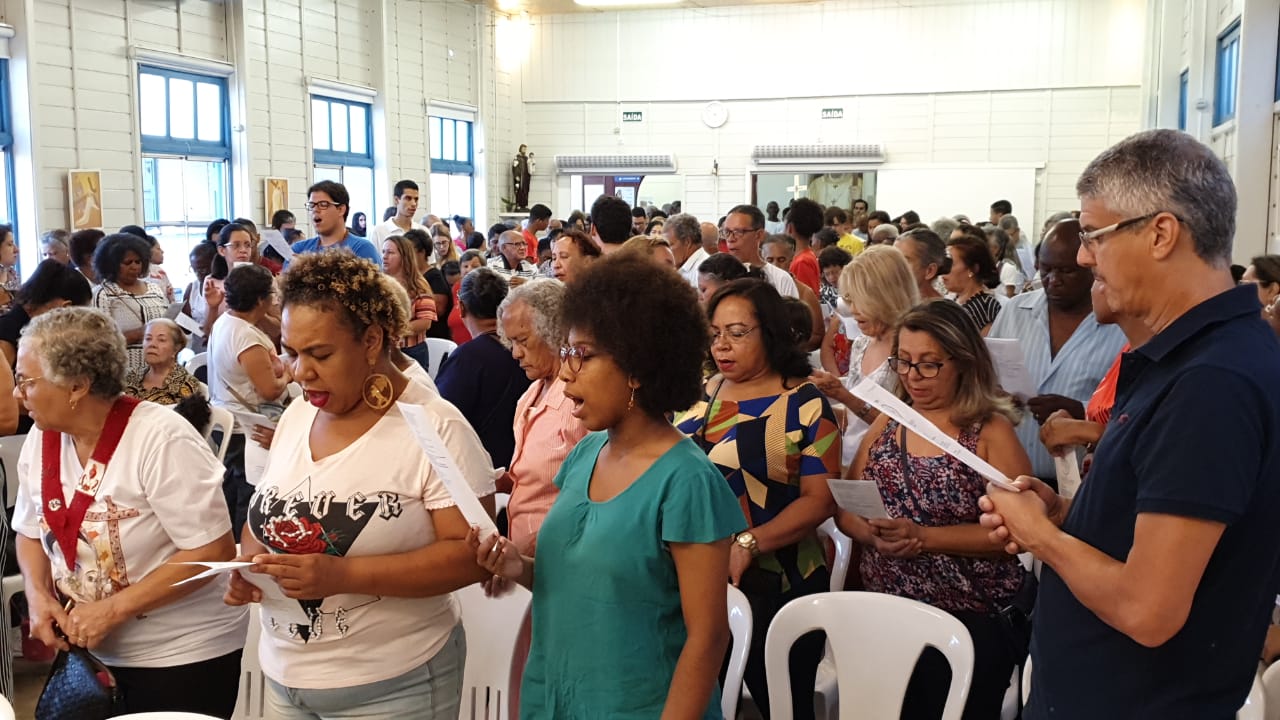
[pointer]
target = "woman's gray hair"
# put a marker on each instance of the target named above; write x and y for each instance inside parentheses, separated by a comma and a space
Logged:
(80, 343)
(1168, 171)
(544, 298)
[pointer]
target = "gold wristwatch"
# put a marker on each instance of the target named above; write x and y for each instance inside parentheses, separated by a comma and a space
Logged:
(747, 542)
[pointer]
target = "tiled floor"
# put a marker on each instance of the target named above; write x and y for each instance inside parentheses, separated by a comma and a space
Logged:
(28, 679)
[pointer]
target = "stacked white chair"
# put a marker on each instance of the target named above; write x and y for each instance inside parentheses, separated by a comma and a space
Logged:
(492, 626)
(877, 640)
(253, 685)
(827, 697)
(740, 629)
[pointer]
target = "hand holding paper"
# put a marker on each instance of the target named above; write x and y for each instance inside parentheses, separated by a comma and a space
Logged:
(887, 403)
(860, 497)
(274, 601)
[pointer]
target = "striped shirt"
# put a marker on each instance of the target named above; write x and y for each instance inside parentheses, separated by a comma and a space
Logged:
(1075, 372)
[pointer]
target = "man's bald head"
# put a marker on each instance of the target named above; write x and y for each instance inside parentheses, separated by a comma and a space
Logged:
(710, 238)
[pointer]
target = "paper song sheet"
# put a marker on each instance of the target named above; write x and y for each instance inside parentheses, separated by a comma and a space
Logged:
(1011, 367)
(1068, 472)
(438, 453)
(274, 601)
(275, 239)
(188, 323)
(890, 405)
(860, 497)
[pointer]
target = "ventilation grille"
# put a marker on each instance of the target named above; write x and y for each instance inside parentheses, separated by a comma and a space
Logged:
(615, 164)
(818, 154)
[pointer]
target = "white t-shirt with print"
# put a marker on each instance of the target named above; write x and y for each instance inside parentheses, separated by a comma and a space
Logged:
(161, 493)
(370, 498)
(230, 337)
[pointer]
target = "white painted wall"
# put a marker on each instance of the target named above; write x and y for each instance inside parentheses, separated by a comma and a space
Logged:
(1245, 143)
(1059, 86)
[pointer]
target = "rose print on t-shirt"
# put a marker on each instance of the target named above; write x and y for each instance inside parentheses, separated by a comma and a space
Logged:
(302, 521)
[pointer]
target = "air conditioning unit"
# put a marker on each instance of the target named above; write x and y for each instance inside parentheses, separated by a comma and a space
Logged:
(615, 164)
(851, 154)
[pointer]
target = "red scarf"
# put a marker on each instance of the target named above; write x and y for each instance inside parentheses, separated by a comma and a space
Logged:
(65, 521)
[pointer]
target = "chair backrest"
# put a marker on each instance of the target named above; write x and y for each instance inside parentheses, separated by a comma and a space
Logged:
(843, 556)
(438, 349)
(197, 361)
(492, 626)
(220, 419)
(10, 449)
(876, 640)
(740, 629)
(250, 703)
(165, 716)
(1271, 691)
(1255, 704)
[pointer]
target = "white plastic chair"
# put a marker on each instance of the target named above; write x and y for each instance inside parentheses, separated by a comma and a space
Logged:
(1271, 691)
(437, 350)
(740, 629)
(492, 626)
(877, 640)
(253, 684)
(11, 585)
(1255, 704)
(220, 419)
(165, 716)
(197, 361)
(826, 700)
(6, 710)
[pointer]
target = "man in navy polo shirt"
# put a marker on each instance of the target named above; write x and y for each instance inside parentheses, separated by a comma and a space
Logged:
(1160, 577)
(329, 203)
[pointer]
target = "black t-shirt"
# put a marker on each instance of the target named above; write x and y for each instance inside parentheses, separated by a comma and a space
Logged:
(483, 381)
(12, 322)
(440, 328)
(1193, 434)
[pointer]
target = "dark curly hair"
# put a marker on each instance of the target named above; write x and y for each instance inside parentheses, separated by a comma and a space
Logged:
(82, 244)
(112, 251)
(648, 320)
(338, 281)
(725, 267)
(777, 325)
(246, 286)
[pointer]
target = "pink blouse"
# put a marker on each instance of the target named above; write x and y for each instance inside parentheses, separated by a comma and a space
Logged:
(545, 431)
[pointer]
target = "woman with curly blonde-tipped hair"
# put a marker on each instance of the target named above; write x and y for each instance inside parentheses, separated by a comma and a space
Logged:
(360, 534)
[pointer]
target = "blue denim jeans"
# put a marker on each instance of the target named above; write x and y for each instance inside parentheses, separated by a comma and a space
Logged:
(431, 691)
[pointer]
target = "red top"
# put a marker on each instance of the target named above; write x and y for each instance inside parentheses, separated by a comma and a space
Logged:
(1104, 398)
(457, 330)
(532, 241)
(804, 267)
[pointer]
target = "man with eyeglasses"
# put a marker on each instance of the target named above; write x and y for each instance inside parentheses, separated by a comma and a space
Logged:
(743, 233)
(510, 261)
(328, 202)
(1066, 350)
(1160, 575)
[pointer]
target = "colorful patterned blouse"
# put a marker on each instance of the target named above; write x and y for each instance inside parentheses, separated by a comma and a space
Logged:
(941, 491)
(763, 447)
(178, 384)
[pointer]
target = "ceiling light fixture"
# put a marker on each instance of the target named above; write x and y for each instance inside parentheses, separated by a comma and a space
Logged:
(624, 3)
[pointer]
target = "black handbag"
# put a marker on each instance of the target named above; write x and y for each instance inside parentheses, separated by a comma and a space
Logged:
(79, 687)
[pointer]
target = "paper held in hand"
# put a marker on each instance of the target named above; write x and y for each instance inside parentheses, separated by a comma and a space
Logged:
(274, 601)
(1011, 367)
(860, 497)
(1068, 472)
(887, 403)
(438, 453)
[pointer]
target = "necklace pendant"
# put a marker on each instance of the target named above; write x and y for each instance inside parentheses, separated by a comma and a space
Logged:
(55, 505)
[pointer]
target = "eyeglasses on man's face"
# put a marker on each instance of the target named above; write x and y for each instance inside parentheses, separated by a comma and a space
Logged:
(926, 370)
(322, 205)
(738, 233)
(1092, 238)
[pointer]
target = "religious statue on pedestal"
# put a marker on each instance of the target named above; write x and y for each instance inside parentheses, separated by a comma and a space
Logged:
(522, 169)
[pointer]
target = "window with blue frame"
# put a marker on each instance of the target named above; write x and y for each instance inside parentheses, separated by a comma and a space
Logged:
(8, 203)
(1183, 80)
(452, 166)
(185, 126)
(342, 141)
(1226, 75)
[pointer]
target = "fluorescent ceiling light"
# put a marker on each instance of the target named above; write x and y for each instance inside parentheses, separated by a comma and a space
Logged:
(624, 3)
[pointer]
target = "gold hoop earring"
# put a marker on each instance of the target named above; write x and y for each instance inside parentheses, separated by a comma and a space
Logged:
(377, 391)
(632, 403)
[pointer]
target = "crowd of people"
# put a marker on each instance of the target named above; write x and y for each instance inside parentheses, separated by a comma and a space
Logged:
(665, 400)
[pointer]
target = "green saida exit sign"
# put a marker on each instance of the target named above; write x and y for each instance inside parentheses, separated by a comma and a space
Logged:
(832, 113)
(633, 116)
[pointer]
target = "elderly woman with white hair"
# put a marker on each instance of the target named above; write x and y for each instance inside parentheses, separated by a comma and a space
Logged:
(545, 428)
(115, 495)
(163, 381)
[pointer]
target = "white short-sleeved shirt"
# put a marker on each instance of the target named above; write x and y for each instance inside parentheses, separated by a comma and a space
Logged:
(161, 493)
(388, 228)
(781, 280)
(1009, 275)
(230, 337)
(370, 498)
